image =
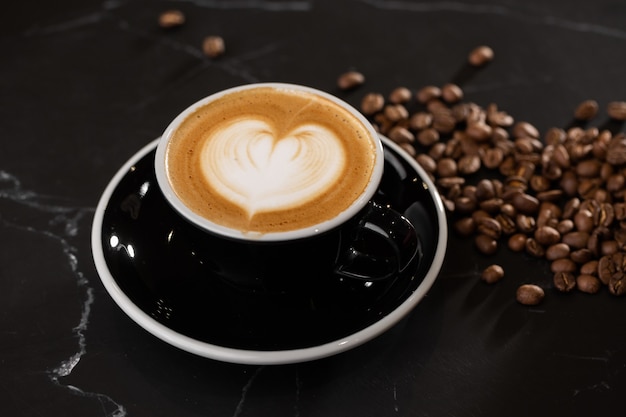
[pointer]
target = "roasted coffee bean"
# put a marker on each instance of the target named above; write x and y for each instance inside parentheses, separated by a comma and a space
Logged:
(420, 121)
(583, 220)
(525, 203)
(564, 281)
(480, 132)
(563, 265)
(576, 240)
(428, 137)
(492, 205)
(451, 93)
(480, 56)
(534, 248)
(372, 103)
(492, 274)
(525, 224)
(546, 235)
(400, 95)
(447, 167)
(426, 162)
(395, 112)
(588, 283)
(492, 157)
(525, 130)
(589, 268)
(589, 168)
(586, 110)
(428, 93)
(490, 227)
(581, 256)
(213, 46)
(171, 19)
(557, 251)
(401, 135)
(565, 226)
(465, 204)
(517, 242)
(486, 244)
(506, 223)
(529, 294)
(350, 80)
(617, 110)
(465, 226)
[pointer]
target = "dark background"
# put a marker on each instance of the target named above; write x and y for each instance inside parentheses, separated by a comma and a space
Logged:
(85, 84)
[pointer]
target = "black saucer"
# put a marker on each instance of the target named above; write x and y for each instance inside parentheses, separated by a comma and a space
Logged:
(150, 260)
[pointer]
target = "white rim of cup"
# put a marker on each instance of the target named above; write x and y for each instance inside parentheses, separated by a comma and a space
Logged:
(196, 219)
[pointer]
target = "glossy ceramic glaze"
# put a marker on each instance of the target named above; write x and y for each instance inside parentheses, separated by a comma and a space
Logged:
(166, 274)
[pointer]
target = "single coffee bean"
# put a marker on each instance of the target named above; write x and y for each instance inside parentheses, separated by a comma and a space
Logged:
(525, 203)
(372, 103)
(565, 226)
(588, 283)
(534, 248)
(586, 110)
(589, 268)
(451, 93)
(465, 226)
(213, 46)
(395, 112)
(583, 220)
(480, 56)
(490, 227)
(506, 223)
(563, 265)
(581, 256)
(492, 274)
(564, 281)
(171, 19)
(428, 93)
(420, 120)
(557, 251)
(492, 205)
(486, 244)
(480, 131)
(447, 167)
(525, 130)
(426, 162)
(517, 242)
(546, 235)
(400, 135)
(400, 95)
(350, 80)
(617, 110)
(525, 224)
(529, 294)
(492, 158)
(428, 137)
(577, 240)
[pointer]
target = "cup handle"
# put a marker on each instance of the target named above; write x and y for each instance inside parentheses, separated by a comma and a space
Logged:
(381, 245)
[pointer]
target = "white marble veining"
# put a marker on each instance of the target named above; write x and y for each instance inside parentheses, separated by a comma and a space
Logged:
(62, 227)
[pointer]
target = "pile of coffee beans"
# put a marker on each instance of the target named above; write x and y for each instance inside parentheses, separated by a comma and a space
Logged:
(559, 196)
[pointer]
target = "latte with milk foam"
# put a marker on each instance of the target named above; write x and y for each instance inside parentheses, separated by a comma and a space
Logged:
(270, 159)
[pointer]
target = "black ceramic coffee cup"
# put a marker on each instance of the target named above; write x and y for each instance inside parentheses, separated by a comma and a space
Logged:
(367, 241)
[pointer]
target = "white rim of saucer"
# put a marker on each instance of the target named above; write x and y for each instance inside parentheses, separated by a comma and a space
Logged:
(254, 357)
(305, 232)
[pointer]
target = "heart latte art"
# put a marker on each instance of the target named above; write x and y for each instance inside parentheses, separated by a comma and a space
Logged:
(268, 160)
(252, 168)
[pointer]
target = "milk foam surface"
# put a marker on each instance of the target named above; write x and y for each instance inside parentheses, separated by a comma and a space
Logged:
(269, 160)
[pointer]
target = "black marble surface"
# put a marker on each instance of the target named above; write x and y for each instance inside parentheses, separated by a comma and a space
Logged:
(85, 84)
